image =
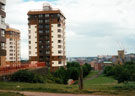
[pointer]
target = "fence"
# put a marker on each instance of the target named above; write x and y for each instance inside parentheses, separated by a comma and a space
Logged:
(11, 69)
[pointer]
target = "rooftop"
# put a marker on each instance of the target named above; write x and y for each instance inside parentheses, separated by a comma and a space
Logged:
(47, 9)
(107, 62)
(12, 29)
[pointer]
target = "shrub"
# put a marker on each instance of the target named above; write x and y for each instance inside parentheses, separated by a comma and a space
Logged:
(26, 76)
(61, 75)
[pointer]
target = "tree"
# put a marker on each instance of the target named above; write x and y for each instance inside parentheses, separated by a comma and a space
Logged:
(88, 66)
(73, 73)
(108, 71)
(73, 64)
(61, 75)
(85, 71)
(122, 73)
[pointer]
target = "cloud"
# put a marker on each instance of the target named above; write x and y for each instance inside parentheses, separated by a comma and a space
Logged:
(93, 27)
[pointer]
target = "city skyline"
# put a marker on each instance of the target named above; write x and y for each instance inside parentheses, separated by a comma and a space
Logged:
(93, 27)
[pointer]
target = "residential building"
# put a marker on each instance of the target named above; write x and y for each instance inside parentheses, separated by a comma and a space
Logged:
(47, 36)
(2, 33)
(12, 47)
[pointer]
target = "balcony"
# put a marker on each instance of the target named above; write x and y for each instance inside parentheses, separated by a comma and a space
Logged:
(2, 13)
(2, 52)
(2, 39)
(3, 1)
(2, 25)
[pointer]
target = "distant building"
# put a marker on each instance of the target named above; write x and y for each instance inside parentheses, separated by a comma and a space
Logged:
(92, 63)
(12, 47)
(98, 66)
(120, 59)
(114, 60)
(2, 33)
(47, 36)
(107, 63)
(121, 56)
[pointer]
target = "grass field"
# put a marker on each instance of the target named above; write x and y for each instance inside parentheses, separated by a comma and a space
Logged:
(93, 73)
(107, 85)
(10, 94)
(99, 85)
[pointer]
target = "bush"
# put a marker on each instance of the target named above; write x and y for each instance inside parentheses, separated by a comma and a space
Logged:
(50, 78)
(61, 75)
(26, 76)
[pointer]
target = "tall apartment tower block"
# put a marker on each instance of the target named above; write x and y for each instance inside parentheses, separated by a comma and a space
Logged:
(12, 47)
(2, 33)
(47, 36)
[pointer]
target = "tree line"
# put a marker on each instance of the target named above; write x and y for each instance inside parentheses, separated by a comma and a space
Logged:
(72, 71)
(61, 76)
(122, 73)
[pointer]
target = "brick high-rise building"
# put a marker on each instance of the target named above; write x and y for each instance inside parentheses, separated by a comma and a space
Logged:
(2, 33)
(12, 47)
(47, 36)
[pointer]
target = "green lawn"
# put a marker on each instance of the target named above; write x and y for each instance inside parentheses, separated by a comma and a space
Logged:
(10, 94)
(99, 85)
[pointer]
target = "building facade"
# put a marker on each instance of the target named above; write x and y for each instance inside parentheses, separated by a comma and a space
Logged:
(121, 56)
(12, 47)
(47, 36)
(2, 33)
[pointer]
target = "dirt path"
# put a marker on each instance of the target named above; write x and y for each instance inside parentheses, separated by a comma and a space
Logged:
(47, 94)
(95, 76)
(52, 94)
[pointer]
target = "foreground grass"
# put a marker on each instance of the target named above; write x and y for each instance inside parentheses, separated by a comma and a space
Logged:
(10, 94)
(99, 85)
(45, 87)
(107, 85)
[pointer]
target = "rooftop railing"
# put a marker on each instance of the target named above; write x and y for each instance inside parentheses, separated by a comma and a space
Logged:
(54, 9)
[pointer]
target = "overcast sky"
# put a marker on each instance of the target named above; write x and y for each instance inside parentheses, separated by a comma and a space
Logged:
(93, 27)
